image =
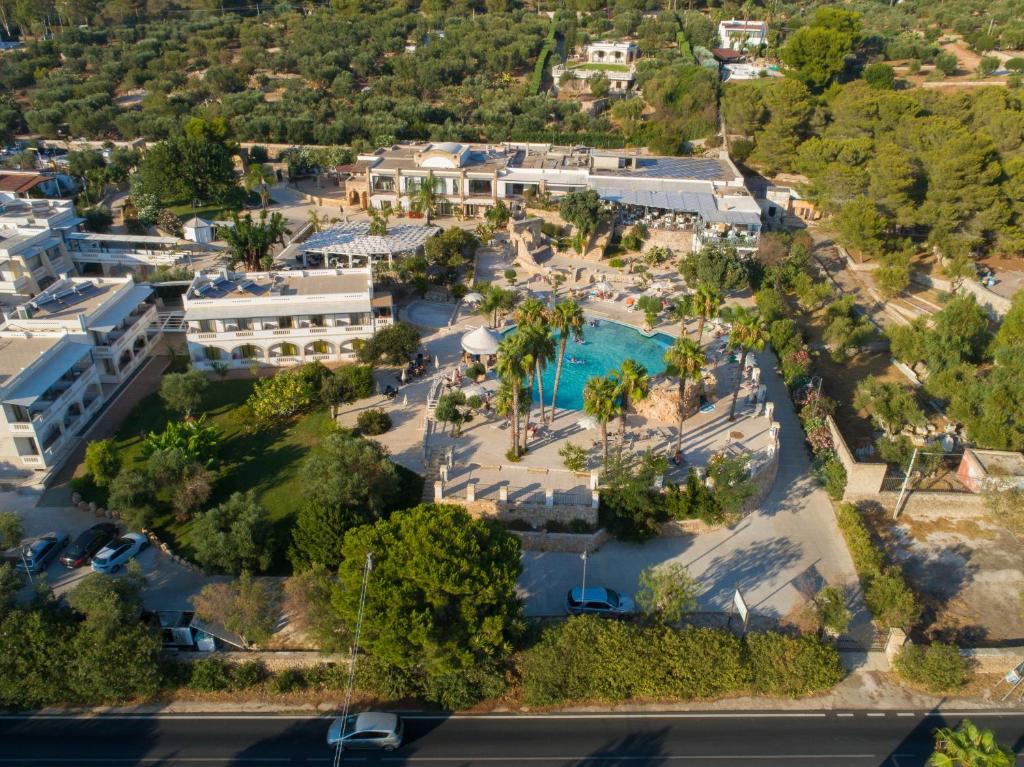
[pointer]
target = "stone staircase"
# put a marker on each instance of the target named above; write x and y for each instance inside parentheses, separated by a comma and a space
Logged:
(431, 472)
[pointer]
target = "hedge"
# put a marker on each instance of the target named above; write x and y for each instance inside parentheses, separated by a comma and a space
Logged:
(886, 592)
(591, 659)
(537, 79)
(939, 668)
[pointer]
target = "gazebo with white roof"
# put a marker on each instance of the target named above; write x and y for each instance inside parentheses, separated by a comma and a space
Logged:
(482, 342)
(355, 241)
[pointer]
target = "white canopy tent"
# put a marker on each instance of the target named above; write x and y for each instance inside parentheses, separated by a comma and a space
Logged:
(483, 340)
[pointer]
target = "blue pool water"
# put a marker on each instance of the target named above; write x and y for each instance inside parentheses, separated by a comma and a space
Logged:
(604, 349)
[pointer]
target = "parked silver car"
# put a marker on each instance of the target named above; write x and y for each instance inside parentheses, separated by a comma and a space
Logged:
(116, 554)
(36, 554)
(597, 601)
(370, 729)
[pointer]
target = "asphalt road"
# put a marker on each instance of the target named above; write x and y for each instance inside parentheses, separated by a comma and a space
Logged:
(784, 739)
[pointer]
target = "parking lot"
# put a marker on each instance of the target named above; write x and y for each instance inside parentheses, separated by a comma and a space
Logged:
(169, 586)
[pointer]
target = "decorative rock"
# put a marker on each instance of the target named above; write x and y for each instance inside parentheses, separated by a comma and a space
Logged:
(92, 506)
(76, 498)
(83, 506)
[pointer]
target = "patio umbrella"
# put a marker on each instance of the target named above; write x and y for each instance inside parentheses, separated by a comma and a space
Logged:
(602, 286)
(404, 377)
(482, 340)
(587, 422)
(472, 298)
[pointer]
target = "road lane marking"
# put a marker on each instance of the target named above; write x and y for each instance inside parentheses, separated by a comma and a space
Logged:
(137, 759)
(905, 713)
(844, 715)
(619, 715)
(875, 713)
(620, 758)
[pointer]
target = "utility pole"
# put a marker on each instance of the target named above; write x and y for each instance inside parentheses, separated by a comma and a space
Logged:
(906, 484)
(352, 659)
(583, 589)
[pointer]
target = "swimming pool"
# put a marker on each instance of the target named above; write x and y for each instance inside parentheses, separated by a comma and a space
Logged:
(605, 347)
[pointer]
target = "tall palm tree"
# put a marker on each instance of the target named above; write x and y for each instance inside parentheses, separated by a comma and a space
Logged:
(424, 199)
(541, 346)
(968, 746)
(315, 220)
(513, 366)
(496, 299)
(634, 385)
(749, 333)
(258, 177)
(704, 304)
(685, 359)
(601, 401)
(566, 319)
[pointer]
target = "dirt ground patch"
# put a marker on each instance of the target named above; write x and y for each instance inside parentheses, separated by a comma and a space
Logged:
(969, 573)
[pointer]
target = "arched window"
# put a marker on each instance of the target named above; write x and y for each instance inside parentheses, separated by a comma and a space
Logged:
(249, 352)
(321, 347)
(289, 350)
(212, 353)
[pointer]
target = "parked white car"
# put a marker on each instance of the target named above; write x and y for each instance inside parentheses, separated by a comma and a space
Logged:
(116, 554)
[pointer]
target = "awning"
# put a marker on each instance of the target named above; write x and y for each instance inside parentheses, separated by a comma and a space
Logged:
(215, 311)
(111, 318)
(52, 367)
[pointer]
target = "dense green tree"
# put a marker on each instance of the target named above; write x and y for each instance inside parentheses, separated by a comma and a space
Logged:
(667, 593)
(183, 392)
(743, 107)
(581, 209)
(892, 406)
(249, 241)
(188, 169)
(352, 475)
(395, 344)
(816, 55)
(880, 76)
(720, 268)
(234, 536)
(441, 596)
(250, 607)
(317, 536)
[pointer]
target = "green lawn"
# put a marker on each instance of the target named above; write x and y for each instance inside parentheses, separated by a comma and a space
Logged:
(265, 461)
(603, 66)
(211, 212)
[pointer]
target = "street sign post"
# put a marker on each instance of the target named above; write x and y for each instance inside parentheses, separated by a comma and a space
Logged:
(741, 607)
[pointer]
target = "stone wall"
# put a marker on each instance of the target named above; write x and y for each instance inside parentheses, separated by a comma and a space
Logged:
(569, 543)
(863, 480)
(536, 514)
(927, 505)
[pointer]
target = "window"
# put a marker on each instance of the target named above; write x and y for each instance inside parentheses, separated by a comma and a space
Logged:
(206, 326)
(211, 353)
(479, 186)
(383, 184)
(284, 322)
(289, 350)
(245, 323)
(316, 321)
(20, 414)
(321, 347)
(33, 262)
(248, 352)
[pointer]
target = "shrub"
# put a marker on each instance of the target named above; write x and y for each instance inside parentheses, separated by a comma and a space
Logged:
(475, 370)
(580, 527)
(381, 679)
(781, 665)
(939, 668)
(373, 422)
(742, 149)
(574, 457)
(183, 392)
(210, 675)
(891, 600)
(289, 680)
(589, 659)
(248, 674)
(867, 559)
(616, 263)
(832, 474)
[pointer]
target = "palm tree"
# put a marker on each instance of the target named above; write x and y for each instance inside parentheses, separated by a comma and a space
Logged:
(748, 333)
(601, 401)
(258, 177)
(424, 199)
(496, 299)
(513, 365)
(249, 242)
(540, 345)
(566, 318)
(685, 359)
(315, 220)
(968, 746)
(704, 304)
(634, 386)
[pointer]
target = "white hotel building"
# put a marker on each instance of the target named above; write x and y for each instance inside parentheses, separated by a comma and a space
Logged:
(62, 354)
(281, 318)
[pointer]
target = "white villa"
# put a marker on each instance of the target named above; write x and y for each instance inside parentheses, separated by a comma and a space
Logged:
(613, 58)
(472, 178)
(738, 34)
(61, 355)
(281, 318)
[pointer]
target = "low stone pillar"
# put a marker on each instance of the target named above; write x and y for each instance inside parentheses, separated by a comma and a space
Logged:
(756, 377)
(503, 493)
(450, 457)
(595, 499)
(549, 497)
(471, 492)
(762, 393)
(438, 491)
(595, 478)
(769, 410)
(773, 429)
(893, 645)
(444, 473)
